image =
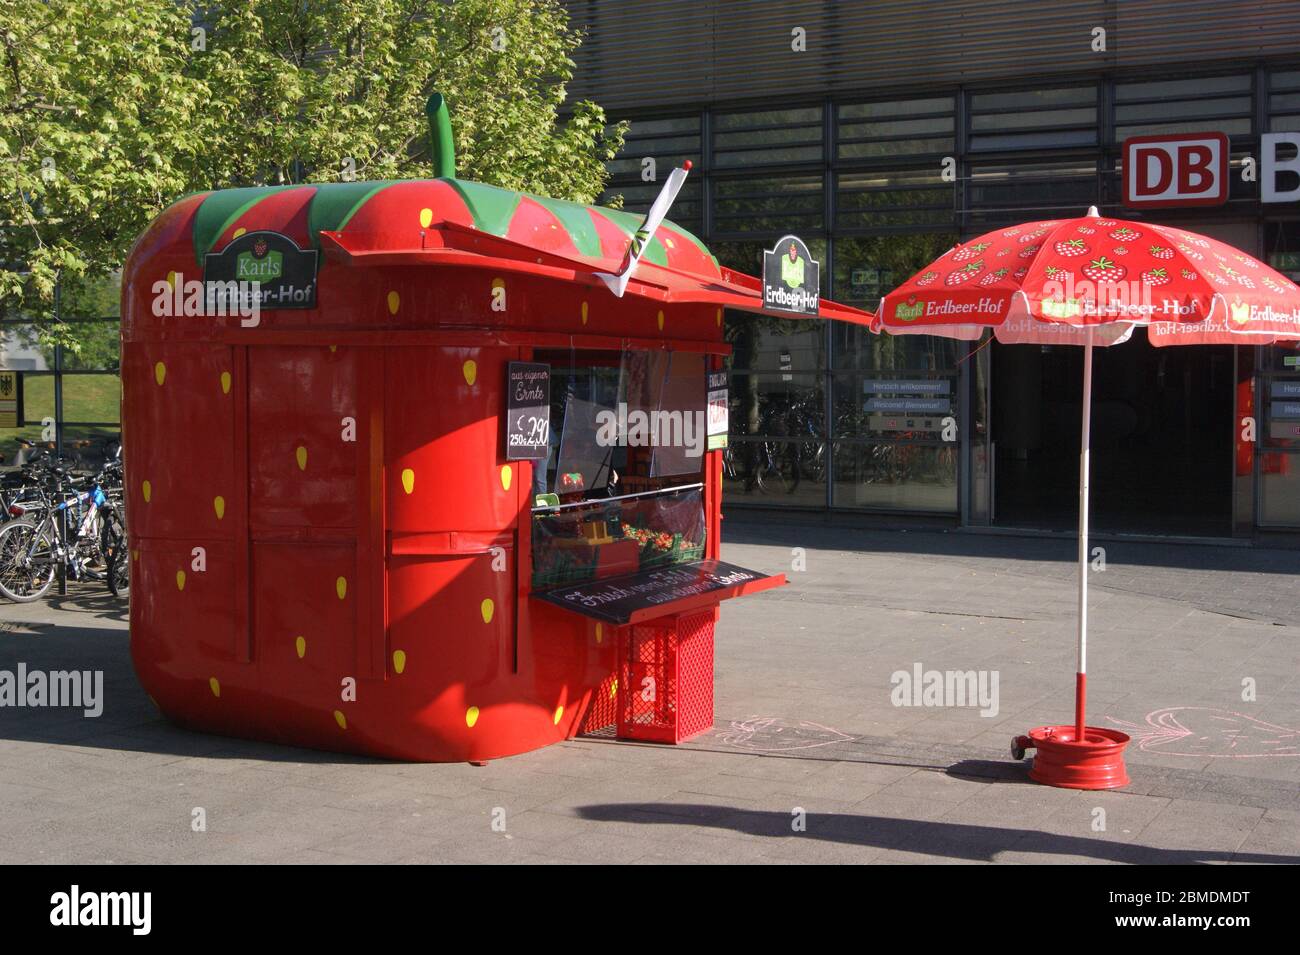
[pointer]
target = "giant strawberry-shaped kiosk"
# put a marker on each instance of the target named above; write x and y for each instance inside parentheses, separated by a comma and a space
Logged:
(376, 502)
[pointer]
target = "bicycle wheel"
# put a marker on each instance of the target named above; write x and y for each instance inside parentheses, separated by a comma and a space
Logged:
(790, 465)
(765, 467)
(27, 564)
(119, 572)
(813, 461)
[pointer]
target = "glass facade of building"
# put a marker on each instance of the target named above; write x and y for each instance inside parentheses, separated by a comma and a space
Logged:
(878, 187)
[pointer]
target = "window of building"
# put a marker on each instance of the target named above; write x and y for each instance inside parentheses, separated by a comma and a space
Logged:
(1033, 119)
(667, 143)
(768, 137)
(1218, 103)
(1004, 193)
(915, 127)
(1284, 101)
(893, 199)
(768, 207)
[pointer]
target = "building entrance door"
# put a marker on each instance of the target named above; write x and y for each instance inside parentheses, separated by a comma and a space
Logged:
(1162, 450)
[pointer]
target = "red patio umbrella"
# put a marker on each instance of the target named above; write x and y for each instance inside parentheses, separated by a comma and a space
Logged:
(1088, 281)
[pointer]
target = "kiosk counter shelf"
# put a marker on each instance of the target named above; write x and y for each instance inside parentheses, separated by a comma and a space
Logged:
(332, 544)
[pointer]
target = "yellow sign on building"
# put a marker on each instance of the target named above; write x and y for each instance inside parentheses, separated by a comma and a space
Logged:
(11, 394)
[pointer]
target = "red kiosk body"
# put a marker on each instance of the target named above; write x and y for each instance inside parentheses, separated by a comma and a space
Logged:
(331, 546)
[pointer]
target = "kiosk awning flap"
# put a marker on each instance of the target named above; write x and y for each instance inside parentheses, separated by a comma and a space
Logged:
(454, 245)
(636, 598)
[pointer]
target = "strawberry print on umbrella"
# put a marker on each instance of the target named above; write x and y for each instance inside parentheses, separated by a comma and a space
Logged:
(967, 252)
(1102, 269)
(964, 274)
(1107, 273)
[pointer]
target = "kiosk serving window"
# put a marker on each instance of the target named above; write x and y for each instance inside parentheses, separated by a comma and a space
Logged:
(621, 490)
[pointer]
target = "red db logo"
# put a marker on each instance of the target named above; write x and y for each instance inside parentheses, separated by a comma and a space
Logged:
(1179, 170)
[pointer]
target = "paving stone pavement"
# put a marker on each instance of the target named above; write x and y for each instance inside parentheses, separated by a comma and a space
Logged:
(808, 761)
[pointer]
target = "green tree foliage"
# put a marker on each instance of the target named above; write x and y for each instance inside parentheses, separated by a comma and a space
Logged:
(286, 112)
(112, 109)
(97, 114)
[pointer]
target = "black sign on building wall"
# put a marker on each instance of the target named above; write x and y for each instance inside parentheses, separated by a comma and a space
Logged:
(791, 278)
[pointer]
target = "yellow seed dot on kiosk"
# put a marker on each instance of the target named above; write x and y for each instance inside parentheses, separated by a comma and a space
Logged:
(559, 712)
(219, 505)
(301, 646)
(159, 372)
(340, 719)
(584, 313)
(600, 633)
(341, 587)
(506, 475)
(487, 608)
(180, 580)
(426, 217)
(215, 686)
(394, 303)
(238, 232)
(408, 480)
(225, 382)
(613, 689)
(301, 454)
(471, 716)
(146, 491)
(470, 371)
(660, 319)
(171, 279)
(718, 318)
(399, 661)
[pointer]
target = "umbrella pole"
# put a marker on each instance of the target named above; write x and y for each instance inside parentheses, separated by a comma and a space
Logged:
(1081, 678)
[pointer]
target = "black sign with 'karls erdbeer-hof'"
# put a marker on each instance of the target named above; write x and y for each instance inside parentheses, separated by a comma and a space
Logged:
(528, 411)
(791, 278)
(283, 275)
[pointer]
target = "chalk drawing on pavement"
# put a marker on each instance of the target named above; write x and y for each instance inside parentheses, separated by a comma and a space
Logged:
(774, 734)
(1207, 731)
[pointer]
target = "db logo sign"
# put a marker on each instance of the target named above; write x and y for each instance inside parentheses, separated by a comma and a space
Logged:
(1179, 170)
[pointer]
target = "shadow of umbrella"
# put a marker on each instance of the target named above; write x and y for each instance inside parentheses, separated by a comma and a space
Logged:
(946, 839)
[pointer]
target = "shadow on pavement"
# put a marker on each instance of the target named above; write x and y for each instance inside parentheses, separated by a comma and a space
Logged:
(1142, 552)
(129, 722)
(990, 771)
(946, 839)
(102, 606)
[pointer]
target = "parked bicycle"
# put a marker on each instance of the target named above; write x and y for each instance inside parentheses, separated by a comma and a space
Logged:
(64, 522)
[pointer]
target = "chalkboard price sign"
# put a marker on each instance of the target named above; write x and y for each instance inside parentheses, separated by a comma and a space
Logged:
(528, 411)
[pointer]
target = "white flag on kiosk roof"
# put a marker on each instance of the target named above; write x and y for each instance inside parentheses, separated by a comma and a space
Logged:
(646, 231)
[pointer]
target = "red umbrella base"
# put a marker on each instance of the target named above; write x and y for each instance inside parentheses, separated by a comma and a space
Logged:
(1061, 760)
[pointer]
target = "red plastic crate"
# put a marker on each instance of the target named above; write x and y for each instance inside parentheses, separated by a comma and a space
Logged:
(665, 691)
